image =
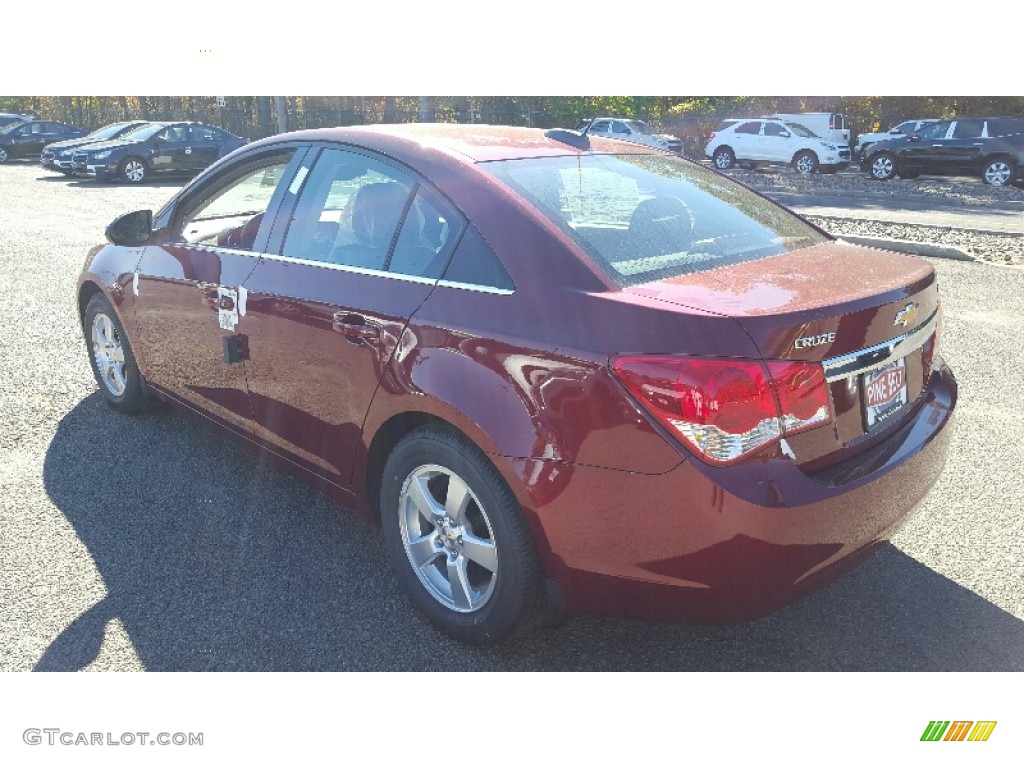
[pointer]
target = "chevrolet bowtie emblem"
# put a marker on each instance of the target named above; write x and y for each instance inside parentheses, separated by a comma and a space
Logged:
(906, 316)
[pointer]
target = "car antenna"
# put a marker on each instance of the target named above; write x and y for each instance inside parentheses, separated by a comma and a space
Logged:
(576, 139)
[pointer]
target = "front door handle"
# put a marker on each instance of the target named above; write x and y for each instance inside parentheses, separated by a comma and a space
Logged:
(355, 328)
(213, 297)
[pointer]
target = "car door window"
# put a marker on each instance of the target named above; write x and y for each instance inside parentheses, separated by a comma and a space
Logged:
(428, 232)
(773, 129)
(231, 214)
(600, 126)
(934, 131)
(349, 211)
(620, 128)
(968, 129)
(753, 126)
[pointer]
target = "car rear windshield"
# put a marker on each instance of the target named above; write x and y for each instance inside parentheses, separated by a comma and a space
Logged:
(650, 217)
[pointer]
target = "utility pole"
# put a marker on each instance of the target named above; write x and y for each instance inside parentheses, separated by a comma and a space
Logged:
(282, 119)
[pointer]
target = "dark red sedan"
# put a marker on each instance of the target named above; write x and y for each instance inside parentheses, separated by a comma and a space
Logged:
(564, 373)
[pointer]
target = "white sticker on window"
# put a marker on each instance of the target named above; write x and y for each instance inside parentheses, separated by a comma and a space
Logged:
(297, 181)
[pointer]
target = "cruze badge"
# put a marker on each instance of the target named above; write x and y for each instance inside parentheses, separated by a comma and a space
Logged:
(814, 341)
(906, 316)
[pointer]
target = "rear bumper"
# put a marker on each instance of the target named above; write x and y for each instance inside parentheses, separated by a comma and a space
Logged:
(716, 545)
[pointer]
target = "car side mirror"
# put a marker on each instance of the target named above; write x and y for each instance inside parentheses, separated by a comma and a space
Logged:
(785, 134)
(133, 228)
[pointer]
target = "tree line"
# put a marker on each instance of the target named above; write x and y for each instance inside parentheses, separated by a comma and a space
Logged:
(690, 117)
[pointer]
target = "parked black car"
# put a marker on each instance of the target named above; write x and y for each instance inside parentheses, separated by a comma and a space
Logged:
(57, 156)
(27, 139)
(10, 118)
(991, 148)
(184, 147)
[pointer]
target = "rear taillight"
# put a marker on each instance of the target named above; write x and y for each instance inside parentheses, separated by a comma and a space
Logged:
(727, 409)
(712, 136)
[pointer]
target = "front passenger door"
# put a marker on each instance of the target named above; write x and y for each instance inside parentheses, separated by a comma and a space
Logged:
(188, 287)
(169, 149)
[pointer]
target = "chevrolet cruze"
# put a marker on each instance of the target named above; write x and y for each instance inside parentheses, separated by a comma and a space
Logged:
(563, 373)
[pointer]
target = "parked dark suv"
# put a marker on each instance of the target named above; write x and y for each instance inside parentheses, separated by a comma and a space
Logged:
(991, 148)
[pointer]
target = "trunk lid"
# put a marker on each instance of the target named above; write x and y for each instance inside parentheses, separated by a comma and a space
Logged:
(868, 315)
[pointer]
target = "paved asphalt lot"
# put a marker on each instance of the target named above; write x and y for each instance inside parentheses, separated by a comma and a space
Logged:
(152, 543)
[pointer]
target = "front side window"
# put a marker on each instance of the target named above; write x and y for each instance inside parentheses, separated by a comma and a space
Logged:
(801, 130)
(620, 128)
(349, 211)
(229, 213)
(174, 133)
(934, 131)
(773, 129)
(600, 126)
(649, 217)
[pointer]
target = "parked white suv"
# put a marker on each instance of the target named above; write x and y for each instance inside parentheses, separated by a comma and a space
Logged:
(906, 128)
(768, 140)
(636, 131)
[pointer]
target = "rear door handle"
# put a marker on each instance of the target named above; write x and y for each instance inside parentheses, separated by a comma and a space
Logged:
(355, 328)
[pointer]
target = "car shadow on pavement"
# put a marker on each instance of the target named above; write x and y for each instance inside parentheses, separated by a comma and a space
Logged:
(214, 559)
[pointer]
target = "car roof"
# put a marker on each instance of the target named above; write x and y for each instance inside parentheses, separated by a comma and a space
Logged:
(469, 143)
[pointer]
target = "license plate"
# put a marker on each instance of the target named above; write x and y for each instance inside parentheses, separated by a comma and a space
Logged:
(884, 393)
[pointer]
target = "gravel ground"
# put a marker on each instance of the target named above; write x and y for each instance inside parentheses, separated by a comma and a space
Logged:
(152, 542)
(986, 246)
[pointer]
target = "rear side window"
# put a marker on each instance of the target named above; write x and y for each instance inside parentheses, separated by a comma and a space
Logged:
(475, 263)
(753, 126)
(430, 229)
(648, 217)
(968, 129)
(349, 211)
(1005, 126)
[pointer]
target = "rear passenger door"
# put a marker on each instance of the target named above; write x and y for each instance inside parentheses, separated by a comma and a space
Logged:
(361, 250)
(962, 153)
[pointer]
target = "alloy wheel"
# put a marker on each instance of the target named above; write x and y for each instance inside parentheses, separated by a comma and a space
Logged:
(997, 173)
(882, 167)
(108, 353)
(134, 171)
(448, 538)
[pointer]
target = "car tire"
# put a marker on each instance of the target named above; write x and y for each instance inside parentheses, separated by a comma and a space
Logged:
(4, 155)
(805, 162)
(882, 166)
(468, 560)
(110, 355)
(723, 159)
(999, 171)
(133, 170)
